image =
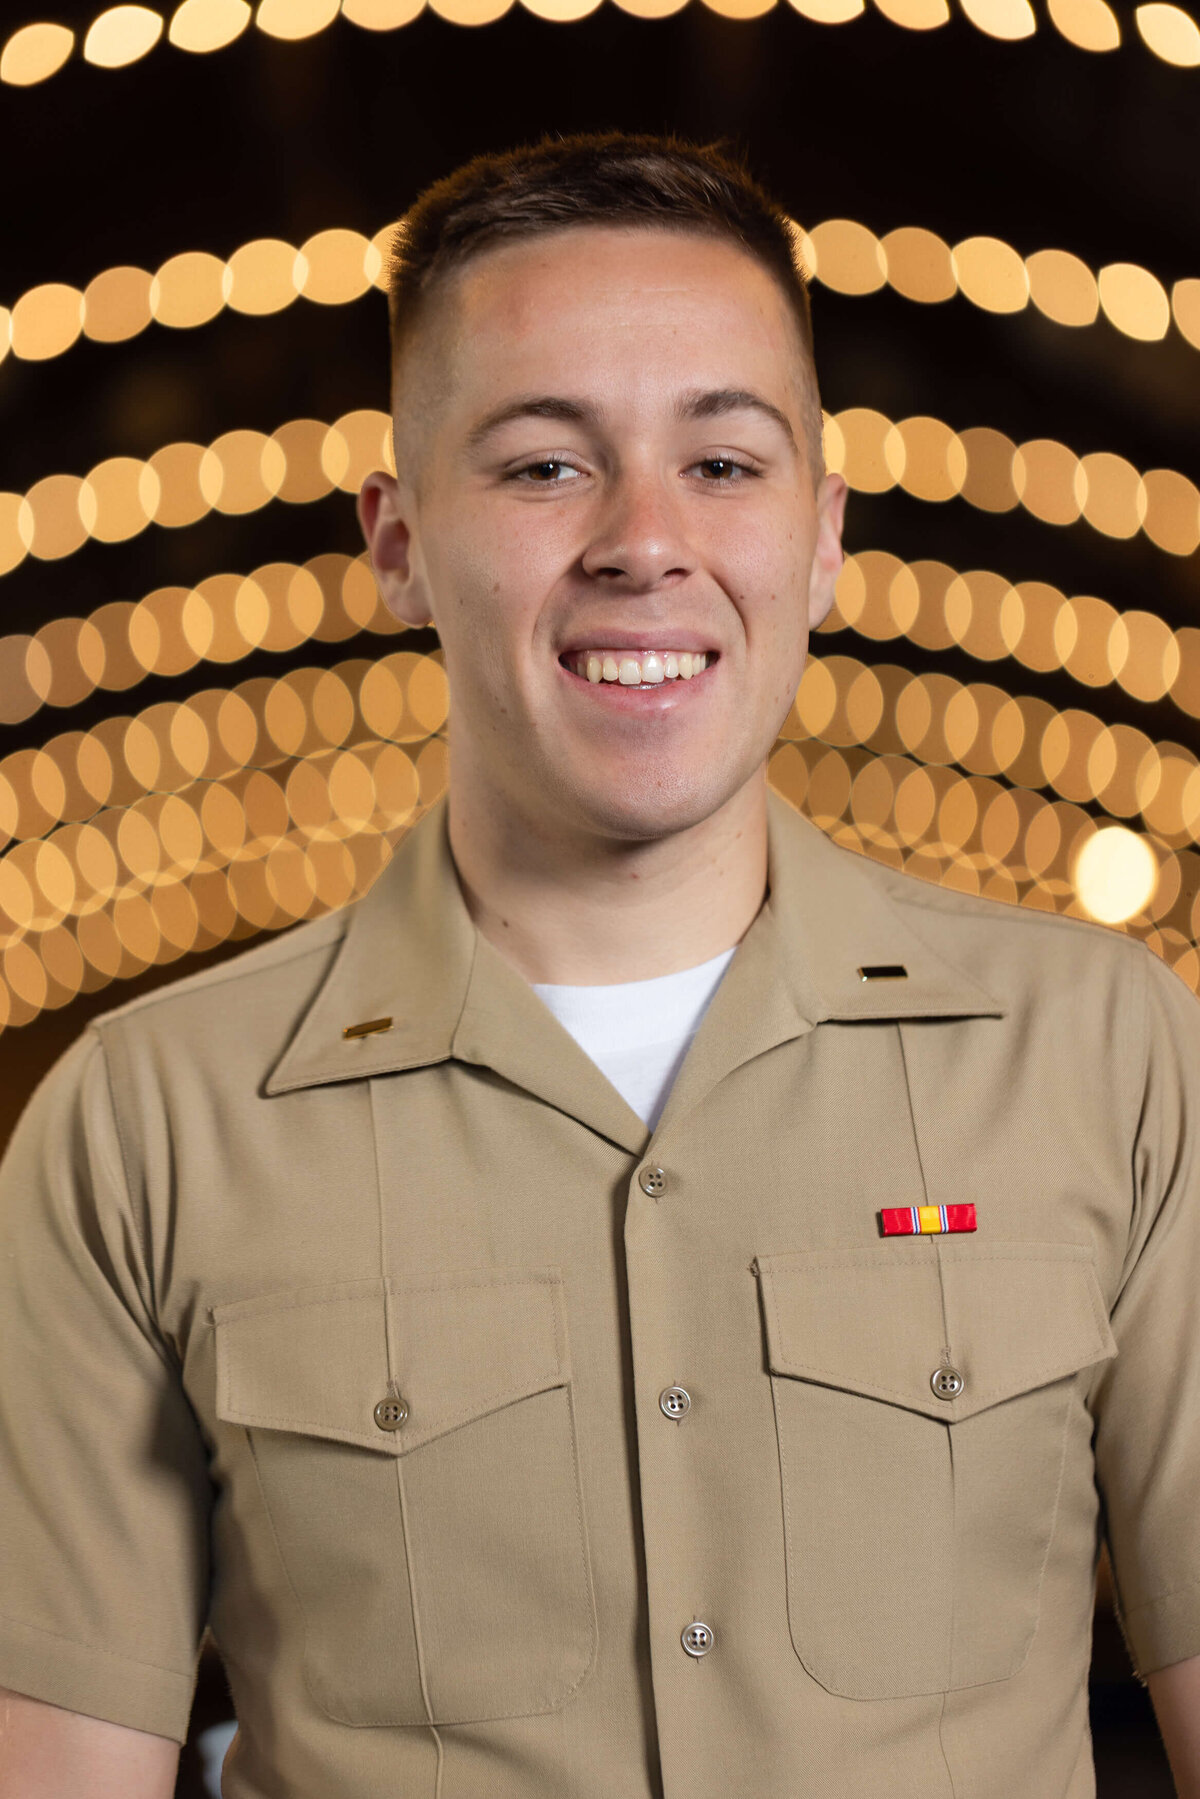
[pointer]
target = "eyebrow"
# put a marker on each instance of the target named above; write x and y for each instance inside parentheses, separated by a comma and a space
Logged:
(717, 402)
(707, 404)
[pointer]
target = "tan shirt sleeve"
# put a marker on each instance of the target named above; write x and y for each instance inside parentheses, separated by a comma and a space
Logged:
(1147, 1401)
(104, 1492)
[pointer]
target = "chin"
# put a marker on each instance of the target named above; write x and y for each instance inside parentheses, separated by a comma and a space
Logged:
(662, 811)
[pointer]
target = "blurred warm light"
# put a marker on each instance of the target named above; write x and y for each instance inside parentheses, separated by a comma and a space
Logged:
(1185, 304)
(205, 25)
(46, 321)
(1044, 474)
(122, 35)
(34, 53)
(1063, 287)
(188, 290)
(1134, 301)
(915, 15)
(919, 265)
(1170, 32)
(277, 607)
(333, 267)
(116, 305)
(848, 257)
(1115, 874)
(1111, 494)
(262, 276)
(294, 19)
(990, 273)
(1006, 19)
(1088, 24)
(337, 266)
(383, 15)
(822, 12)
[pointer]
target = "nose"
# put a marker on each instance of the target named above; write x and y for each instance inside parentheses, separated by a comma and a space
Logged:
(639, 537)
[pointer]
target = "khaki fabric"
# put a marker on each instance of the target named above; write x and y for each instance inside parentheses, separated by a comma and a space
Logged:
(228, 1234)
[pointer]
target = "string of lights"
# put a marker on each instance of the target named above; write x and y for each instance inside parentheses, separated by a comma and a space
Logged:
(337, 266)
(242, 471)
(97, 817)
(279, 606)
(124, 34)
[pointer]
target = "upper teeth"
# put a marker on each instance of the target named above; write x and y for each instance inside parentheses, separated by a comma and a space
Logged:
(637, 671)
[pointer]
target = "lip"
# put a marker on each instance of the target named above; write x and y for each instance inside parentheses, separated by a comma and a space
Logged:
(638, 642)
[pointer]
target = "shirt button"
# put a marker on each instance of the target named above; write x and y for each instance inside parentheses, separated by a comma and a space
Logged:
(697, 1638)
(390, 1414)
(652, 1180)
(947, 1382)
(673, 1402)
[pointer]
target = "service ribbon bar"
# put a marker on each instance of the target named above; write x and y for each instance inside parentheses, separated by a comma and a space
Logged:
(919, 1221)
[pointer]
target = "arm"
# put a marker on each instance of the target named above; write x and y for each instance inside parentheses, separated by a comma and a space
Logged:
(48, 1753)
(1175, 1692)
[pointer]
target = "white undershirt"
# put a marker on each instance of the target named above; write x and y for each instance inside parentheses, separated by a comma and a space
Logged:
(637, 1033)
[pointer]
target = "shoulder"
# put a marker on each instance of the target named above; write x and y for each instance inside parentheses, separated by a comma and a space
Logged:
(242, 1011)
(1024, 955)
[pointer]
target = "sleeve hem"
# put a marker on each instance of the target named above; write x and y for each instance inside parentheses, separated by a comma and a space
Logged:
(1162, 1631)
(81, 1678)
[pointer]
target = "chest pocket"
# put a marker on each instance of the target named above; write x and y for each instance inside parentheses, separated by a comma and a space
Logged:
(917, 1526)
(440, 1561)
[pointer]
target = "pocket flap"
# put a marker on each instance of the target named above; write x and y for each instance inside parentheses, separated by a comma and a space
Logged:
(1018, 1315)
(315, 1359)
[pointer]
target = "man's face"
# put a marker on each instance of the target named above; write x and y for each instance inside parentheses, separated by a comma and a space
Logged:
(612, 466)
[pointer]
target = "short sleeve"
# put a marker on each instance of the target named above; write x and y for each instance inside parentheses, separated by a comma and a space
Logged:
(104, 1489)
(1147, 1400)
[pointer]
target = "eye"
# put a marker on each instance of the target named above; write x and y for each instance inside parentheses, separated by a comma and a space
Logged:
(723, 470)
(548, 472)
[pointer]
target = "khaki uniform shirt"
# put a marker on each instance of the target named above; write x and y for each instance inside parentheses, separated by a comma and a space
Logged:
(355, 1348)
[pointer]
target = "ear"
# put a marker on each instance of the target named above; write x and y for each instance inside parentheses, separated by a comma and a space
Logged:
(384, 512)
(828, 555)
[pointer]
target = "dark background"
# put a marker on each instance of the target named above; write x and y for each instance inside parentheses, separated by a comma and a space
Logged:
(1035, 142)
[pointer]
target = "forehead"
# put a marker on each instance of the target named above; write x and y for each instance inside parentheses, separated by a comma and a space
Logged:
(593, 304)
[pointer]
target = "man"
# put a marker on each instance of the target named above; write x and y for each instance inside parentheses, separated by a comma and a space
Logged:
(521, 1375)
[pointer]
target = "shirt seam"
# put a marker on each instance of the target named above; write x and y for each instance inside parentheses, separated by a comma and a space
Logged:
(110, 1655)
(1143, 1605)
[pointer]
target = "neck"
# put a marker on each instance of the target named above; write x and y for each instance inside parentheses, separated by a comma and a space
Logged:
(582, 910)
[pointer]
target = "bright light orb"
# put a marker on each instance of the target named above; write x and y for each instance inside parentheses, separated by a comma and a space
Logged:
(1115, 875)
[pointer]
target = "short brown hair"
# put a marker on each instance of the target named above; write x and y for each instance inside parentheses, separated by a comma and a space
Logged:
(597, 178)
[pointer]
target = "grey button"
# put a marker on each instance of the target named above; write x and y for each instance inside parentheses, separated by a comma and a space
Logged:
(947, 1382)
(697, 1638)
(652, 1180)
(673, 1402)
(390, 1414)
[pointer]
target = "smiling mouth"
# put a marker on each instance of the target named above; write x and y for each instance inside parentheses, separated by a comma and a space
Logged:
(649, 668)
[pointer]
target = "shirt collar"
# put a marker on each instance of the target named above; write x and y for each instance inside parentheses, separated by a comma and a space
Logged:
(411, 955)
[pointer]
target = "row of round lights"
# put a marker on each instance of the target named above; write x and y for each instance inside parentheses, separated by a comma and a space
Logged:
(188, 872)
(101, 900)
(888, 710)
(277, 607)
(263, 276)
(124, 34)
(880, 597)
(305, 459)
(217, 734)
(240, 472)
(933, 462)
(337, 266)
(332, 597)
(1002, 842)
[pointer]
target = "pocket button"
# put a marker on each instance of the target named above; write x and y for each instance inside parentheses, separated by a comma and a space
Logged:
(390, 1414)
(947, 1382)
